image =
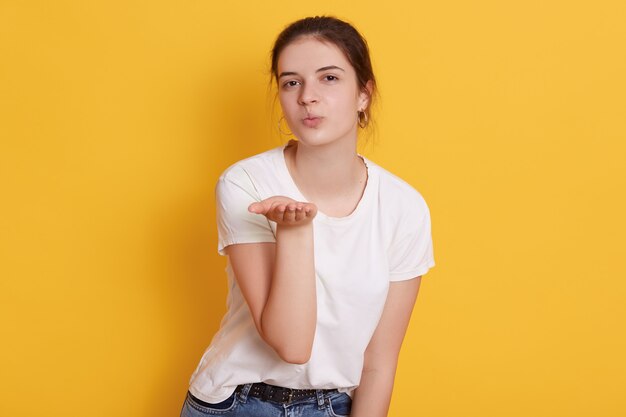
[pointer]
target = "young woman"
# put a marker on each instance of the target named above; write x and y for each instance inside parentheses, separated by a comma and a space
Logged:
(325, 250)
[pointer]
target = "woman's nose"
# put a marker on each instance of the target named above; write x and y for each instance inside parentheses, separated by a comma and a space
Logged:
(308, 94)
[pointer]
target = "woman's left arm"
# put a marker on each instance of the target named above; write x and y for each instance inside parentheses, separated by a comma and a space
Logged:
(373, 395)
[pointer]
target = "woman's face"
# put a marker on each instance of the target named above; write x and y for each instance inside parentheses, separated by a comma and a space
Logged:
(318, 92)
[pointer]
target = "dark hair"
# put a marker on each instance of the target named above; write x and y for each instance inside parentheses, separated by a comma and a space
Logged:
(338, 32)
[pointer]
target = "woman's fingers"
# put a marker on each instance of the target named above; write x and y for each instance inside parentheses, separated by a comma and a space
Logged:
(278, 212)
(310, 210)
(300, 214)
(256, 208)
(290, 213)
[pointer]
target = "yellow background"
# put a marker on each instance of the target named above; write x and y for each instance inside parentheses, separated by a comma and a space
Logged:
(117, 118)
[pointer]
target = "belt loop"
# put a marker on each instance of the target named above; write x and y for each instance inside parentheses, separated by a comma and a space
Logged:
(320, 398)
(245, 389)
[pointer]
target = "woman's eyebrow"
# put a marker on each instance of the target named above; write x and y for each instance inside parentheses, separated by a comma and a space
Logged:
(329, 67)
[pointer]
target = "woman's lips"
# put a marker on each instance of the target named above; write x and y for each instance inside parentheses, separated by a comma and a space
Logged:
(312, 121)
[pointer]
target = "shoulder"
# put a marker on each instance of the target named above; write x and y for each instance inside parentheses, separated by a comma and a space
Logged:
(397, 194)
(246, 172)
(258, 162)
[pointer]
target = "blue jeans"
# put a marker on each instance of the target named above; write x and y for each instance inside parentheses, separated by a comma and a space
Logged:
(334, 404)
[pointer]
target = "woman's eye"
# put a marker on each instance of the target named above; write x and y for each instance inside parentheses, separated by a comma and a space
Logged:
(330, 78)
(290, 84)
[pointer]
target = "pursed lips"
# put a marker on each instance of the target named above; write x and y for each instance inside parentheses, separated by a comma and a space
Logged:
(311, 120)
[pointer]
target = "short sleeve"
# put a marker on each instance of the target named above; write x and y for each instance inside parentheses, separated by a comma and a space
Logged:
(235, 224)
(411, 252)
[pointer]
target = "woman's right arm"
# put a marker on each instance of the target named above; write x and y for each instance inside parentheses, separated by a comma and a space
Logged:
(277, 280)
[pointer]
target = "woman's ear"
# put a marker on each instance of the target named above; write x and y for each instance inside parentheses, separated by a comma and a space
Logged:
(365, 95)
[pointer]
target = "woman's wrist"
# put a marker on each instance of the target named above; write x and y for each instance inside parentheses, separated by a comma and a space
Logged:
(299, 231)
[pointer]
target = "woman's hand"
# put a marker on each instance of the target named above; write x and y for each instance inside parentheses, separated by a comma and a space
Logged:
(285, 211)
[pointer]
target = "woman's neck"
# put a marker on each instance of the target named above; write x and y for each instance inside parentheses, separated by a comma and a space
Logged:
(326, 172)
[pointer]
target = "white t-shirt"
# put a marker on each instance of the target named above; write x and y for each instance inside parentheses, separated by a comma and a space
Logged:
(386, 238)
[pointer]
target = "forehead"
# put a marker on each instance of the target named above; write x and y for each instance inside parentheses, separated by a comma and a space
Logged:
(310, 54)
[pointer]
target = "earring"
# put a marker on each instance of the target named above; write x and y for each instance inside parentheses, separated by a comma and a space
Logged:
(280, 130)
(362, 119)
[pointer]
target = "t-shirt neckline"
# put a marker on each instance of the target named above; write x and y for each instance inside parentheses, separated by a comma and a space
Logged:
(282, 165)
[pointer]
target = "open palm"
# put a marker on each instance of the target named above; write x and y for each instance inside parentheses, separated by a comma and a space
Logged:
(285, 211)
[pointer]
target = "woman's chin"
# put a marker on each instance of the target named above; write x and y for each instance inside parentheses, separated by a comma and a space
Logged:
(317, 138)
